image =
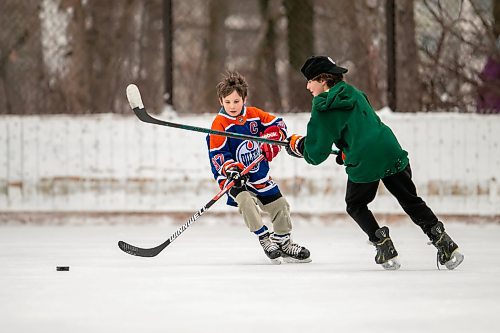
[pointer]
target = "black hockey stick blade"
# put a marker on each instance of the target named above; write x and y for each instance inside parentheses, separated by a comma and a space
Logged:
(135, 101)
(140, 252)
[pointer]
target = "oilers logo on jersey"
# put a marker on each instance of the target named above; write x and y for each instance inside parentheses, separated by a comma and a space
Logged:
(247, 152)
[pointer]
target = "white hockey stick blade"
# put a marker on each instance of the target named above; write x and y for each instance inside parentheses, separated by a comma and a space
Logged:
(134, 97)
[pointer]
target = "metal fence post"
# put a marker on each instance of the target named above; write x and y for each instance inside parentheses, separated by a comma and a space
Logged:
(391, 53)
(167, 44)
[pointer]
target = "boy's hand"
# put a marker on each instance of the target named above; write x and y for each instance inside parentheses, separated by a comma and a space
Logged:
(233, 172)
(295, 146)
(269, 150)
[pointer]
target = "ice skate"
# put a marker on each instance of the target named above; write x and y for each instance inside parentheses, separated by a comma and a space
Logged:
(291, 252)
(386, 253)
(448, 254)
(271, 249)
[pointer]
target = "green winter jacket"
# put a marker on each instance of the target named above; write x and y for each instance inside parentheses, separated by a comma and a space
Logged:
(343, 116)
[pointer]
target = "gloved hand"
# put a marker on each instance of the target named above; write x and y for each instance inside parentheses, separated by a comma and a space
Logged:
(340, 158)
(295, 146)
(233, 172)
(269, 150)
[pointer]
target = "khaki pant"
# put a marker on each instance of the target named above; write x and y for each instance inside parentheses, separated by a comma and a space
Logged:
(278, 210)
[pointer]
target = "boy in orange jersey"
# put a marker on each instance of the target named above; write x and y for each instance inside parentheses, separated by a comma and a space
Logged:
(229, 156)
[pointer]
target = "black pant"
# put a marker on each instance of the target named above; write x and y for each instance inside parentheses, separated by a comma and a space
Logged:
(359, 195)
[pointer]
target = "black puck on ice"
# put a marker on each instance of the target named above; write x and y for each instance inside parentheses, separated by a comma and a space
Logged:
(62, 268)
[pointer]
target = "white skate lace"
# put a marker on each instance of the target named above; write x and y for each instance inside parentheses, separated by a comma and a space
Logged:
(287, 246)
(291, 249)
(267, 245)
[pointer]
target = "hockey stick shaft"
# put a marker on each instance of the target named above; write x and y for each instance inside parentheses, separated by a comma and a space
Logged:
(152, 252)
(147, 118)
(137, 106)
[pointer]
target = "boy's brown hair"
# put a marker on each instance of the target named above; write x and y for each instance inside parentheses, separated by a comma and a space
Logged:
(330, 79)
(232, 81)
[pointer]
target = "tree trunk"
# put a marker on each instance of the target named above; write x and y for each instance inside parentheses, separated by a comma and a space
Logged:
(216, 50)
(300, 18)
(21, 59)
(150, 58)
(496, 18)
(266, 94)
(408, 89)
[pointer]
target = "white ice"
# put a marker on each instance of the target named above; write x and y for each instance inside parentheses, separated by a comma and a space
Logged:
(215, 278)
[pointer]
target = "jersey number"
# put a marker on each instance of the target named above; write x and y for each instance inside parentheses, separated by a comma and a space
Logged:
(218, 161)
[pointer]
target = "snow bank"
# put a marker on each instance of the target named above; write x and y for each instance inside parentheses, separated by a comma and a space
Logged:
(107, 163)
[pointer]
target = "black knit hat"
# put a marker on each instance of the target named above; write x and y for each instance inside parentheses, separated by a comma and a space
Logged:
(316, 65)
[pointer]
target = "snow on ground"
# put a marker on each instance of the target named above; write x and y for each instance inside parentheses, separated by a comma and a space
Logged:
(215, 278)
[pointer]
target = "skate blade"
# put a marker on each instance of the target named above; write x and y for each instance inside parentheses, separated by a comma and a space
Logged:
(290, 260)
(391, 264)
(455, 261)
(275, 261)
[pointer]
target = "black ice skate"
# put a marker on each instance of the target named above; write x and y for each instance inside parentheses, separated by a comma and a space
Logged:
(447, 254)
(271, 249)
(291, 252)
(386, 253)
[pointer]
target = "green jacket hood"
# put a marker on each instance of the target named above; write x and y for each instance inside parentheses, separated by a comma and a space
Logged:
(339, 97)
(344, 117)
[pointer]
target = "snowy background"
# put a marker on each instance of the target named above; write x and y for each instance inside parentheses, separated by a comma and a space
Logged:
(112, 163)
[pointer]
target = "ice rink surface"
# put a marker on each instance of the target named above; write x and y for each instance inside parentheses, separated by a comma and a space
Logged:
(215, 278)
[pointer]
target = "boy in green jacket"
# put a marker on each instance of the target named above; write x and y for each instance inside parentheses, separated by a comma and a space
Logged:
(342, 115)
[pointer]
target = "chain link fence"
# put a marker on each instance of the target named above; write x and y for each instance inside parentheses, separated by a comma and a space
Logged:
(77, 56)
(62, 56)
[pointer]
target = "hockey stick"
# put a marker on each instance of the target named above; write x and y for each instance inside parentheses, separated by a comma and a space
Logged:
(135, 101)
(140, 252)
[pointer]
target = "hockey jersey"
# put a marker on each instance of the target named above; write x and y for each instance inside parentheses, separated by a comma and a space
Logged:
(223, 150)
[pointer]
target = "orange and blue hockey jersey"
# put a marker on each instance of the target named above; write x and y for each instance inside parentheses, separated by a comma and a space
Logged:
(224, 150)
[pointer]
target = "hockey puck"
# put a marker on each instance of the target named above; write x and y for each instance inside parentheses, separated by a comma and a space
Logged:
(62, 268)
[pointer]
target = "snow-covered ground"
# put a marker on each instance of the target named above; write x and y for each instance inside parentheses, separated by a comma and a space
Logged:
(215, 278)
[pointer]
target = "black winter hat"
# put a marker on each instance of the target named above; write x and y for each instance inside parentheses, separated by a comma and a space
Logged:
(316, 65)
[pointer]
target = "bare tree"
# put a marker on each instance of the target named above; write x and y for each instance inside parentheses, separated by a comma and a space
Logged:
(488, 90)
(496, 18)
(408, 88)
(73, 56)
(453, 47)
(148, 59)
(215, 48)
(267, 93)
(353, 39)
(22, 87)
(300, 18)
(70, 84)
